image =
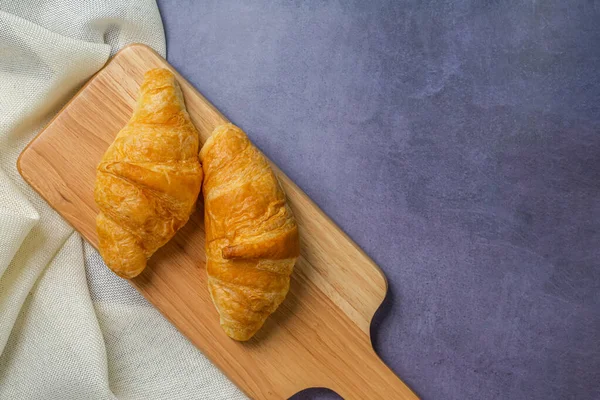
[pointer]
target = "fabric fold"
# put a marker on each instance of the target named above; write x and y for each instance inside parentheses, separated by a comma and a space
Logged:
(17, 217)
(56, 340)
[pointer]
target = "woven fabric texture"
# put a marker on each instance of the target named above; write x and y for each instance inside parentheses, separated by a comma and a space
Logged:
(69, 328)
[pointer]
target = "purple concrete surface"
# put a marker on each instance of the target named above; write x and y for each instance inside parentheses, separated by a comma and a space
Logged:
(458, 143)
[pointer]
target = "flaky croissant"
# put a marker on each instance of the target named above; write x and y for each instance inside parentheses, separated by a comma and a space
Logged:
(251, 235)
(149, 179)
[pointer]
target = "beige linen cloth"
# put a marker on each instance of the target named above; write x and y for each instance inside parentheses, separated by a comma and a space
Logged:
(65, 333)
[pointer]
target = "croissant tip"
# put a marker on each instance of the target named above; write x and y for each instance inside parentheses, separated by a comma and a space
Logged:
(240, 335)
(157, 71)
(126, 275)
(126, 271)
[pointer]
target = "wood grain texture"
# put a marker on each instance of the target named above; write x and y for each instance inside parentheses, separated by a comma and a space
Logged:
(319, 337)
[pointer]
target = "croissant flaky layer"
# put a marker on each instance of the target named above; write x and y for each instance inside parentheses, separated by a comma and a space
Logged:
(149, 179)
(252, 238)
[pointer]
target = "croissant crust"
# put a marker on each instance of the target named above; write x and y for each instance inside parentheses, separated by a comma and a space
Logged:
(251, 235)
(149, 179)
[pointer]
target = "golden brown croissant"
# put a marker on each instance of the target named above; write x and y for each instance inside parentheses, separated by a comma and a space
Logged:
(251, 234)
(148, 181)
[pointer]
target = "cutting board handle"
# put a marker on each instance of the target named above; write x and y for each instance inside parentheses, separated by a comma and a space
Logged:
(368, 377)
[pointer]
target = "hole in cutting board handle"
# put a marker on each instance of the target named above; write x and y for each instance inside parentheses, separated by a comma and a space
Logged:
(316, 393)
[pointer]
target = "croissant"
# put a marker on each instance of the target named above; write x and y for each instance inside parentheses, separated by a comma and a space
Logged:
(149, 179)
(251, 235)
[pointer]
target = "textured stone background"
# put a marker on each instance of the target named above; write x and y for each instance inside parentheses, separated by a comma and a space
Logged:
(458, 143)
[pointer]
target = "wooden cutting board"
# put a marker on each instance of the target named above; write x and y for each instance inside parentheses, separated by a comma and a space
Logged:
(319, 336)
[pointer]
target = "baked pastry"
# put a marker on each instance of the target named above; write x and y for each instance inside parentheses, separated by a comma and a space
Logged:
(251, 235)
(149, 179)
